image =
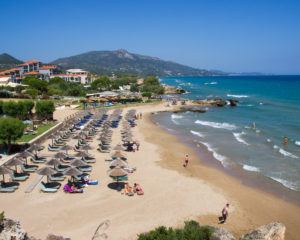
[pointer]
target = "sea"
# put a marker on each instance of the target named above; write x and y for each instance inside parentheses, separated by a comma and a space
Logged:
(248, 137)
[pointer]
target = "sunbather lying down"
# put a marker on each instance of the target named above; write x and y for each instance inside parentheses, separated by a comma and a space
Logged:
(138, 189)
(128, 190)
(85, 180)
(71, 188)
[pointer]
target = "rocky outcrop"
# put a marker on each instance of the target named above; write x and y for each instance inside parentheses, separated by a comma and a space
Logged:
(190, 109)
(218, 102)
(222, 234)
(10, 229)
(272, 231)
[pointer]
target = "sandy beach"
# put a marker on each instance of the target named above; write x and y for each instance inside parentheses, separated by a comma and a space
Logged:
(172, 194)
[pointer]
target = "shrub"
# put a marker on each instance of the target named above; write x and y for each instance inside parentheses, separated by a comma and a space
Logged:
(10, 130)
(20, 109)
(44, 109)
(32, 92)
(191, 231)
(146, 94)
(2, 216)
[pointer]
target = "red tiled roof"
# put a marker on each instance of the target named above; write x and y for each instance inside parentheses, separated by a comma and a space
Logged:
(68, 75)
(48, 67)
(31, 73)
(28, 62)
(9, 71)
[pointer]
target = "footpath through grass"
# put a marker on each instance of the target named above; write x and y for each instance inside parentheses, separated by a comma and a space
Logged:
(41, 129)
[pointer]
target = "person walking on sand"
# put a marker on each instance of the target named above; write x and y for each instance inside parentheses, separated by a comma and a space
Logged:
(225, 211)
(141, 116)
(186, 160)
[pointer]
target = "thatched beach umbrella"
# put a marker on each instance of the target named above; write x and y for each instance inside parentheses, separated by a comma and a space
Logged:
(73, 172)
(118, 163)
(67, 148)
(117, 173)
(36, 148)
(118, 154)
(60, 155)
(15, 162)
(52, 137)
(118, 147)
(86, 148)
(46, 171)
(53, 162)
(78, 163)
(5, 171)
(24, 155)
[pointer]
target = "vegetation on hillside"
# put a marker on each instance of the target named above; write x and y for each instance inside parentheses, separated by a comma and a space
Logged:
(191, 231)
(122, 61)
(10, 130)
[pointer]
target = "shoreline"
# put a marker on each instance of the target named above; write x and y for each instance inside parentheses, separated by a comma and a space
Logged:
(248, 178)
(248, 213)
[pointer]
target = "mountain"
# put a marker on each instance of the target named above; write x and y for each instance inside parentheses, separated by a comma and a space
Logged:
(7, 61)
(122, 61)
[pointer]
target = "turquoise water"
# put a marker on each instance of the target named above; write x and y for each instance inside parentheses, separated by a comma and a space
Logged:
(271, 102)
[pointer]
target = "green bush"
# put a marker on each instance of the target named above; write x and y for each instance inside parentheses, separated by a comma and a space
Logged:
(45, 109)
(2, 216)
(20, 109)
(32, 92)
(191, 231)
(10, 129)
(35, 83)
(146, 94)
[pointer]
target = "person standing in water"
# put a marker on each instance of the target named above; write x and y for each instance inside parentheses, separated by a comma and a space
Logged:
(285, 141)
(186, 160)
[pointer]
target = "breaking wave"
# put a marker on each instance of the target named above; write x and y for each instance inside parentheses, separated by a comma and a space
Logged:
(250, 168)
(174, 116)
(211, 83)
(216, 155)
(238, 137)
(285, 183)
(237, 96)
(226, 126)
(287, 154)
(197, 134)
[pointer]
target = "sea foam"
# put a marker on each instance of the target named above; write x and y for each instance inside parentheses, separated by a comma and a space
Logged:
(287, 154)
(211, 83)
(250, 168)
(285, 183)
(226, 126)
(238, 137)
(297, 143)
(216, 155)
(197, 134)
(237, 96)
(175, 116)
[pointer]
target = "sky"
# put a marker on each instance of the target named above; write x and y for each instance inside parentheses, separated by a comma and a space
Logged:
(228, 35)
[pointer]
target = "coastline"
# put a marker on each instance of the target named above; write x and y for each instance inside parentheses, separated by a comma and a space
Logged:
(253, 207)
(172, 194)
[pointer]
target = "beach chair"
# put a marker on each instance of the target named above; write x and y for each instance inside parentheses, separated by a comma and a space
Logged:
(86, 168)
(29, 168)
(53, 148)
(34, 160)
(7, 190)
(88, 159)
(55, 185)
(14, 185)
(61, 168)
(48, 190)
(19, 176)
(57, 177)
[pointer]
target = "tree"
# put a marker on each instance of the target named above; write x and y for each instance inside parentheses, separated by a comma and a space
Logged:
(44, 109)
(36, 83)
(151, 80)
(146, 94)
(32, 92)
(134, 87)
(102, 83)
(10, 130)
(20, 109)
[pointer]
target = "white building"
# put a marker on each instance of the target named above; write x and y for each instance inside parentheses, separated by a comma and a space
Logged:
(75, 75)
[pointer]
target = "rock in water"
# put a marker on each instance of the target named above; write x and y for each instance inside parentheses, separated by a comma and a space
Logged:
(10, 229)
(271, 231)
(222, 234)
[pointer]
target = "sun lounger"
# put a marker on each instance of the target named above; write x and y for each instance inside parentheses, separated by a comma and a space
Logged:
(19, 176)
(57, 177)
(29, 168)
(53, 148)
(38, 160)
(48, 190)
(54, 185)
(61, 168)
(86, 168)
(14, 185)
(7, 190)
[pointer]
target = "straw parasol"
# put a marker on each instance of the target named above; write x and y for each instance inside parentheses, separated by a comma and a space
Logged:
(15, 162)
(117, 173)
(72, 171)
(5, 171)
(78, 163)
(118, 147)
(67, 148)
(82, 154)
(46, 171)
(60, 155)
(118, 163)
(86, 147)
(53, 162)
(25, 155)
(118, 154)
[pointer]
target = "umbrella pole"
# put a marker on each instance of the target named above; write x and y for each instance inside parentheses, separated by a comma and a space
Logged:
(3, 178)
